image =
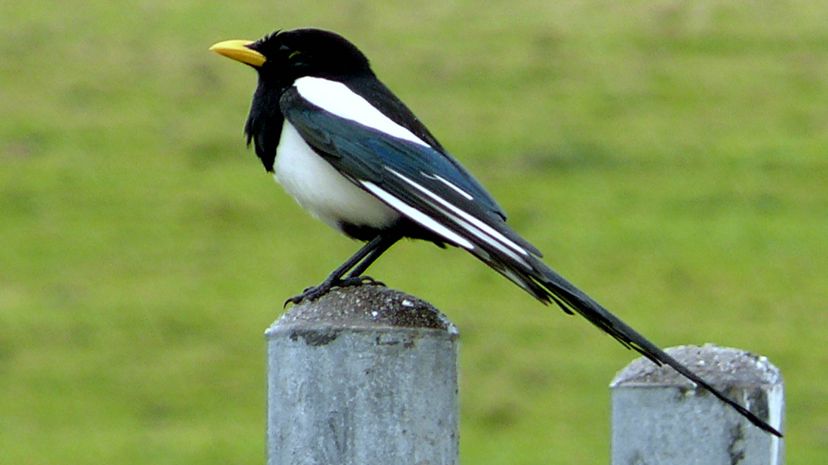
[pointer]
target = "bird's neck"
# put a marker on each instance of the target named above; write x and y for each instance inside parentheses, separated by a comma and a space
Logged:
(264, 123)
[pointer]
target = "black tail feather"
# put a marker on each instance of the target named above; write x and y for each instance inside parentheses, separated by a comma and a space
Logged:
(547, 286)
(576, 300)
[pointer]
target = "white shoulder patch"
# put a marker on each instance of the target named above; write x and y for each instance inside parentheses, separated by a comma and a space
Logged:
(337, 98)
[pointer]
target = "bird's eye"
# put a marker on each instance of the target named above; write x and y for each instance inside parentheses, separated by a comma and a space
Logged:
(294, 54)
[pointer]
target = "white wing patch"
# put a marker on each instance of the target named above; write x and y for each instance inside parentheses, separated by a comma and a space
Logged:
(443, 180)
(469, 223)
(417, 215)
(336, 98)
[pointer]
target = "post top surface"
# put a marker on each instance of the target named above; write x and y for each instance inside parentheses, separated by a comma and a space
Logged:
(718, 365)
(365, 306)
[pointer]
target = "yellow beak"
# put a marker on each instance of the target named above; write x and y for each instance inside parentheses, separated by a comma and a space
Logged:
(238, 50)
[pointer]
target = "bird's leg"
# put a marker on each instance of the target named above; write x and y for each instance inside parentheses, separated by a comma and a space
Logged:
(357, 264)
(356, 272)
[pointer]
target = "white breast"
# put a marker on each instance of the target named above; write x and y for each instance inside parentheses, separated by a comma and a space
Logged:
(321, 190)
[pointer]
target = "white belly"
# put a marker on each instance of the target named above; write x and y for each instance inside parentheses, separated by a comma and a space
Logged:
(321, 190)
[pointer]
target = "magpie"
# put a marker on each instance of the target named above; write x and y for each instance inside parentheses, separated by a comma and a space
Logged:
(352, 154)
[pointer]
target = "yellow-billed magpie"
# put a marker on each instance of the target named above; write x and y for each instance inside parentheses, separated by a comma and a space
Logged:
(352, 154)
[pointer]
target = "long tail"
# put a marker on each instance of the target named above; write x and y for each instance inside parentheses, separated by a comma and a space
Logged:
(548, 286)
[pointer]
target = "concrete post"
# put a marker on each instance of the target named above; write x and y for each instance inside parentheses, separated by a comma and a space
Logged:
(658, 417)
(363, 375)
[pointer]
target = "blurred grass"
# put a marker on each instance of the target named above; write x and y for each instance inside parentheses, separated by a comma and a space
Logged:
(669, 157)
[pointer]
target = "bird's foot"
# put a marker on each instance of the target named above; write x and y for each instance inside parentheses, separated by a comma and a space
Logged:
(315, 292)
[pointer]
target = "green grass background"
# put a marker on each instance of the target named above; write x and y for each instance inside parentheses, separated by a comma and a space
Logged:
(667, 156)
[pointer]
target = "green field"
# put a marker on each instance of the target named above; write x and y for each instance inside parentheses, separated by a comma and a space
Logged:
(671, 158)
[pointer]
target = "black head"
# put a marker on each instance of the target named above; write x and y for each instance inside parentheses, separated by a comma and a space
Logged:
(282, 57)
(292, 54)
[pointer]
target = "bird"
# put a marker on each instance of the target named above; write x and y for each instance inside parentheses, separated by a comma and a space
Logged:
(353, 155)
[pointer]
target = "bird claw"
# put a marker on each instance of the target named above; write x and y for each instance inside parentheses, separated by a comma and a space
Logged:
(309, 294)
(314, 292)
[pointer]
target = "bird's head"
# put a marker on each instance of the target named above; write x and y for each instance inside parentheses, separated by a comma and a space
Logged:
(284, 56)
(280, 59)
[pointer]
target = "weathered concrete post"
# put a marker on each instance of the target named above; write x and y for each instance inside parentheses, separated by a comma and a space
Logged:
(364, 375)
(658, 417)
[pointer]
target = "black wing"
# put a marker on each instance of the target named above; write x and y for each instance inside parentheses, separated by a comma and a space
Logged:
(408, 176)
